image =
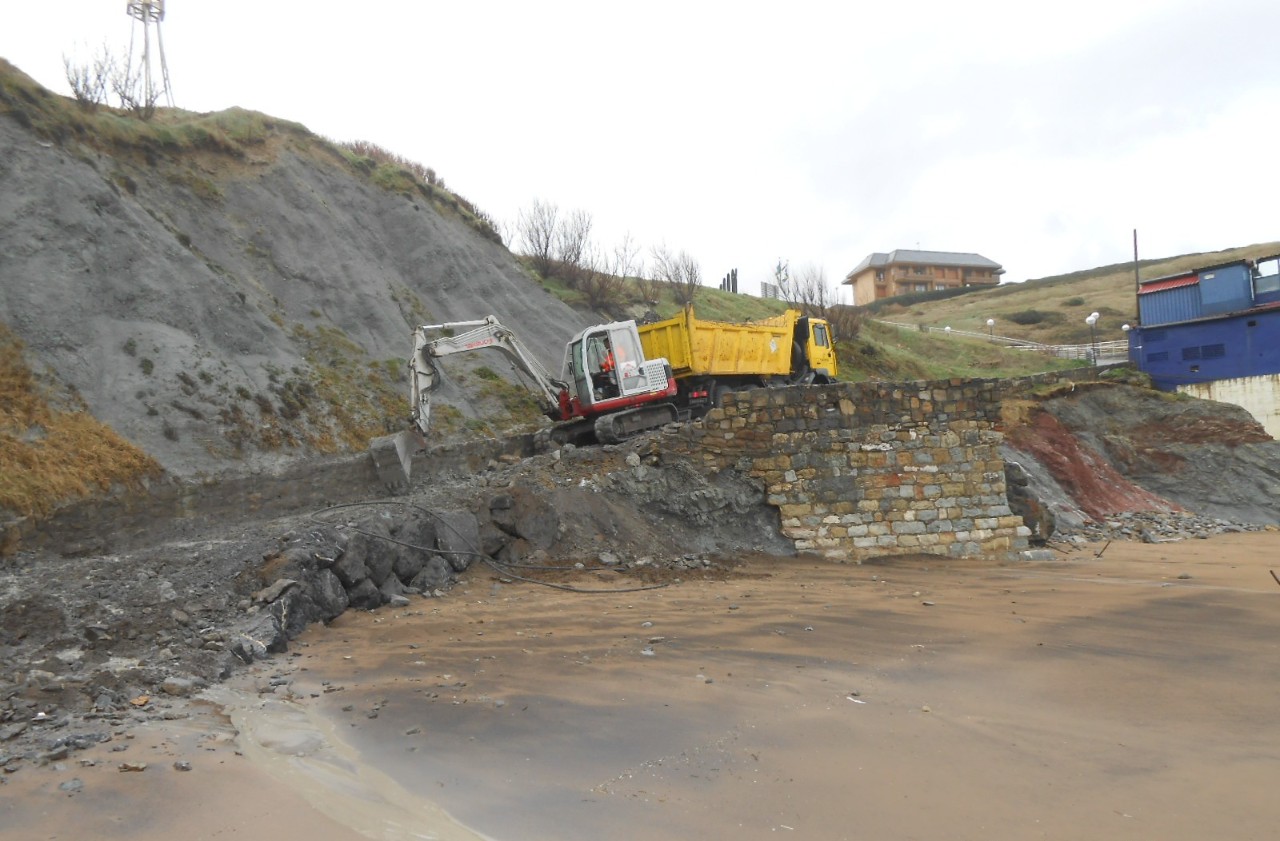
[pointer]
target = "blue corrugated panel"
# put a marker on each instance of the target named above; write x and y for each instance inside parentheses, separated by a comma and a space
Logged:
(1169, 305)
(1243, 345)
(1226, 289)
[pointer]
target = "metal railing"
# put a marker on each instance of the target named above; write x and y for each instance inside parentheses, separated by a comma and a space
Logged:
(1098, 353)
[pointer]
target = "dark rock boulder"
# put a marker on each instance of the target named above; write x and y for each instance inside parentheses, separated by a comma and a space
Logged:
(416, 537)
(458, 538)
(434, 575)
(327, 593)
(392, 588)
(371, 547)
(259, 636)
(364, 595)
(350, 570)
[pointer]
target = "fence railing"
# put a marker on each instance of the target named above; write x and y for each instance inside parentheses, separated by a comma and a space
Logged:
(1099, 353)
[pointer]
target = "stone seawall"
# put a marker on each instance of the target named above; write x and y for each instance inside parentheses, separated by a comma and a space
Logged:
(858, 470)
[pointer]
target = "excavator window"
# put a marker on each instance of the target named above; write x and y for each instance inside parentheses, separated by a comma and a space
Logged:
(602, 364)
(629, 356)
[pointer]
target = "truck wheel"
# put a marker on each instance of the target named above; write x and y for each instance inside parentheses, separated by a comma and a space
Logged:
(799, 365)
(717, 395)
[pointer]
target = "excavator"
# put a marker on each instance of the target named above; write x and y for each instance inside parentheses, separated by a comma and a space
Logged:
(607, 391)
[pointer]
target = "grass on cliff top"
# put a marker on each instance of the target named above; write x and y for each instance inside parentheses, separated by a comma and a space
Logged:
(883, 352)
(48, 455)
(231, 134)
(171, 130)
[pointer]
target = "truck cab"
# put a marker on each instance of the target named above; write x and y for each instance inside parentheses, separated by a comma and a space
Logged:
(813, 337)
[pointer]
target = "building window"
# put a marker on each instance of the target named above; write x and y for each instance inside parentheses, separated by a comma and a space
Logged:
(1267, 278)
(918, 270)
(880, 276)
(922, 287)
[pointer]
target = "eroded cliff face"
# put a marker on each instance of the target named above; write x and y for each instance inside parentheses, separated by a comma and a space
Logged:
(235, 309)
(1112, 449)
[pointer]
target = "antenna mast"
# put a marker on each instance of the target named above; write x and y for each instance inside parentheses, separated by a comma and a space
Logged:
(148, 12)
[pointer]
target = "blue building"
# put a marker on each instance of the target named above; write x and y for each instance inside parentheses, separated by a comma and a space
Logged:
(1215, 333)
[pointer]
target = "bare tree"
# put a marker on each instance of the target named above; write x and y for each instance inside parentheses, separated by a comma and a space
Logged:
(628, 264)
(808, 291)
(88, 82)
(537, 229)
(134, 95)
(573, 238)
(507, 231)
(626, 257)
(681, 271)
(598, 281)
(846, 321)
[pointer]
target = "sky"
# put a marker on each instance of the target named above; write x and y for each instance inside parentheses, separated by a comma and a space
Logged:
(1037, 135)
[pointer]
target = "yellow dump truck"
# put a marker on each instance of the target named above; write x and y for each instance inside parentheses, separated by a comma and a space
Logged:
(712, 358)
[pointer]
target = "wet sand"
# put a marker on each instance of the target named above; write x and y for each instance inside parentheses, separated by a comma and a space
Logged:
(1082, 697)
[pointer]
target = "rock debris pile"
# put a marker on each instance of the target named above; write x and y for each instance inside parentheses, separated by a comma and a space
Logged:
(1159, 527)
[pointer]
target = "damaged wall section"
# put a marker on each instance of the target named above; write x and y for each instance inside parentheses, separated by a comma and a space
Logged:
(858, 470)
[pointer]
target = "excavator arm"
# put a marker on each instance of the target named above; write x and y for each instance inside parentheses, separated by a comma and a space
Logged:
(486, 333)
(393, 454)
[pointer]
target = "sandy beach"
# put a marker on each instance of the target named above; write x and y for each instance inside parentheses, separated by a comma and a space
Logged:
(1121, 696)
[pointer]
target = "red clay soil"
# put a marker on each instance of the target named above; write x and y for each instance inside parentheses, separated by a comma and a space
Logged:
(1097, 488)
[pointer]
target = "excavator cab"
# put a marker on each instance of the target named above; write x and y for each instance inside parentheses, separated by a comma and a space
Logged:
(606, 365)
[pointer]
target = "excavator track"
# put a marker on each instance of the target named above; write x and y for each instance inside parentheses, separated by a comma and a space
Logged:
(617, 427)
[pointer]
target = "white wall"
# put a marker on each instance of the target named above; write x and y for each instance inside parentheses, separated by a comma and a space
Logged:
(1260, 396)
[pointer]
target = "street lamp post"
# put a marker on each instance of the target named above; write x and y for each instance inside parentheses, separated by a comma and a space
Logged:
(991, 328)
(1092, 321)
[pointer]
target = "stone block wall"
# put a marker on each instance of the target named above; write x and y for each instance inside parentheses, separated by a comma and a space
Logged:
(858, 470)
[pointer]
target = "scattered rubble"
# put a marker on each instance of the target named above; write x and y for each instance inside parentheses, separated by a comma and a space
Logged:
(1157, 527)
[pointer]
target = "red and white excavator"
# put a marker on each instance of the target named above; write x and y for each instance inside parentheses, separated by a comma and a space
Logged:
(607, 392)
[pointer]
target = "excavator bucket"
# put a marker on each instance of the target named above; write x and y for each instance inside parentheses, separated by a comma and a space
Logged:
(393, 458)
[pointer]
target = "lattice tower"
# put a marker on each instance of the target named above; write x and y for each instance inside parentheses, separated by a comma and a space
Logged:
(150, 13)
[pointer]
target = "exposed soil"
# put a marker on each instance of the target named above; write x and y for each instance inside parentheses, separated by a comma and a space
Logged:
(1107, 449)
(1084, 474)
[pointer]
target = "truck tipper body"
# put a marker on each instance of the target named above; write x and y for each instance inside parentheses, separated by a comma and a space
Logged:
(712, 358)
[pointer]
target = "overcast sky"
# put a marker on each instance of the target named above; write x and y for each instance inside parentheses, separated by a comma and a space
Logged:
(1038, 135)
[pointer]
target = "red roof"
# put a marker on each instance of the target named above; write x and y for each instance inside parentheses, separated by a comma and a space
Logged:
(1171, 283)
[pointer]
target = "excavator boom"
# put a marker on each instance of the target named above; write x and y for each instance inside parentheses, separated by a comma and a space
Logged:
(393, 454)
